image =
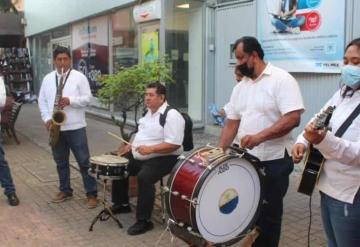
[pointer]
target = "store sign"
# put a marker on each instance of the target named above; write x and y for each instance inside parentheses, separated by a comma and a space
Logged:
(147, 11)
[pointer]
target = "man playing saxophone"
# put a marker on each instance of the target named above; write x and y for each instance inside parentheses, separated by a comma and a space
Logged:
(64, 94)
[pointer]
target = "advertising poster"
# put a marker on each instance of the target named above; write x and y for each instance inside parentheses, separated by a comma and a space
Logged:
(303, 35)
(90, 49)
(150, 46)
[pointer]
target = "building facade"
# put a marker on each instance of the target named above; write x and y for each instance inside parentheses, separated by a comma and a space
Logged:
(197, 36)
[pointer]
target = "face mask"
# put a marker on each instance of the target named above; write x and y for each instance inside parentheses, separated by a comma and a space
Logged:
(350, 76)
(245, 70)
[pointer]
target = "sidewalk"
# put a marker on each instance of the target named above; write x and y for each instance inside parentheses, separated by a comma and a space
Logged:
(36, 222)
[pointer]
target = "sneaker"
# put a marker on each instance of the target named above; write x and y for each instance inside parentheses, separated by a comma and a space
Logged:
(120, 209)
(92, 202)
(13, 199)
(140, 227)
(61, 197)
(295, 30)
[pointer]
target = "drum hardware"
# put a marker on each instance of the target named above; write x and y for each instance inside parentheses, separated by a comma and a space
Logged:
(193, 202)
(239, 155)
(107, 167)
(182, 157)
(262, 171)
(182, 224)
(175, 193)
(106, 213)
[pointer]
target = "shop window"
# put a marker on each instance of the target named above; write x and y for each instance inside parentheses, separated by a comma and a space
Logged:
(184, 47)
(91, 49)
(124, 40)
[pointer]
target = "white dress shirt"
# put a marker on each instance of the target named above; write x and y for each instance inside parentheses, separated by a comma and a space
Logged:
(259, 103)
(151, 132)
(340, 176)
(76, 88)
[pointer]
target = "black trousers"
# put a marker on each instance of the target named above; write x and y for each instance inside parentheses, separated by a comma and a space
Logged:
(148, 173)
(275, 185)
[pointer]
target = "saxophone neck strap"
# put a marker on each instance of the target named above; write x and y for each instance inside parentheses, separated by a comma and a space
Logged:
(64, 82)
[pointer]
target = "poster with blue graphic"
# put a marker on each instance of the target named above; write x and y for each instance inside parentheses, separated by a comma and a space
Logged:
(302, 35)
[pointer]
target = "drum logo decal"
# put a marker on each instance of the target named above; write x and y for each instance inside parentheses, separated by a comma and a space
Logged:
(229, 200)
(223, 168)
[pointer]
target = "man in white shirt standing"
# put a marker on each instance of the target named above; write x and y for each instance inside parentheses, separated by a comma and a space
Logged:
(152, 155)
(76, 96)
(262, 111)
(5, 175)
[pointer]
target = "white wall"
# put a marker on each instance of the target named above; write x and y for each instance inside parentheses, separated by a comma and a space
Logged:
(42, 15)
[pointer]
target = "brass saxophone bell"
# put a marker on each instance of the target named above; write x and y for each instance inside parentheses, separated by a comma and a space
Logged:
(58, 117)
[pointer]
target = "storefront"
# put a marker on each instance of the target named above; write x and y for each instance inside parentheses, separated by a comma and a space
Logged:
(196, 35)
(133, 33)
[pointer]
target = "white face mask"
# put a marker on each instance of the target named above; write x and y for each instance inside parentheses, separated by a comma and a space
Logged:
(350, 76)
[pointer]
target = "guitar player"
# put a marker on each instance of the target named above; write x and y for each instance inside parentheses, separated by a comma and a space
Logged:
(339, 180)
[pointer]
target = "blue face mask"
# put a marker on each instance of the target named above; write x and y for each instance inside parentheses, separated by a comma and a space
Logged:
(350, 76)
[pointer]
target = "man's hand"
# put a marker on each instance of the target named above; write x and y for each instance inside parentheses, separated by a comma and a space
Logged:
(48, 125)
(297, 152)
(64, 101)
(144, 150)
(250, 141)
(312, 135)
(124, 149)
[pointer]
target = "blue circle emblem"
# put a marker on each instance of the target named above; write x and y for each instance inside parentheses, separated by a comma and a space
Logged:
(228, 201)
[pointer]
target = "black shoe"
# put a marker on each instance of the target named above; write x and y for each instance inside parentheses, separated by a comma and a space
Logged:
(140, 227)
(13, 199)
(120, 209)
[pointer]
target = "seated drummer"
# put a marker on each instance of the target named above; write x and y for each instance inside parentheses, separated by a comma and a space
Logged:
(152, 155)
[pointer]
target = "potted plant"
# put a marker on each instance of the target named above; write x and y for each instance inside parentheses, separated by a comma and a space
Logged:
(126, 89)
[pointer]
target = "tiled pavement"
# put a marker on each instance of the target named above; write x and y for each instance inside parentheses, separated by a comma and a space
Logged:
(36, 222)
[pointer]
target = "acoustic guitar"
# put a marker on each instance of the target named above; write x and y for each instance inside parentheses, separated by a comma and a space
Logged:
(314, 159)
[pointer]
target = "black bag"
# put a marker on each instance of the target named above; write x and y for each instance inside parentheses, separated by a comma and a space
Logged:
(188, 143)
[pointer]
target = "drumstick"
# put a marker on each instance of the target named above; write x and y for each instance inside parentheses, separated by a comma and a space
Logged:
(118, 137)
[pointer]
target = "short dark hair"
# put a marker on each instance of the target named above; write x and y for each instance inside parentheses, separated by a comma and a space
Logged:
(160, 88)
(355, 42)
(61, 49)
(250, 44)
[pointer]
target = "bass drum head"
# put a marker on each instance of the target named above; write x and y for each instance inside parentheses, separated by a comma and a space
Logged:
(229, 199)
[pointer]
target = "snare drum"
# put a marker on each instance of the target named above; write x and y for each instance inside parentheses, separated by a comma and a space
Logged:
(108, 167)
(214, 194)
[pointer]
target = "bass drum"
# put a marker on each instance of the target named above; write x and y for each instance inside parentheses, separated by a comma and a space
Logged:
(214, 194)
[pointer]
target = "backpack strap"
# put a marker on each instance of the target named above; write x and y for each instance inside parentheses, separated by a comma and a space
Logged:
(163, 116)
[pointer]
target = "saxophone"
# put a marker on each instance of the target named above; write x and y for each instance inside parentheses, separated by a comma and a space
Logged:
(58, 116)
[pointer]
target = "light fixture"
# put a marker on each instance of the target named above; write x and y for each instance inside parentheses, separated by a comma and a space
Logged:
(184, 5)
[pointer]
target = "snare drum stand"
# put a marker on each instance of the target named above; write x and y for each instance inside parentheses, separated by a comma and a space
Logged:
(106, 213)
